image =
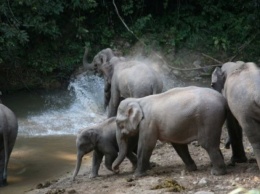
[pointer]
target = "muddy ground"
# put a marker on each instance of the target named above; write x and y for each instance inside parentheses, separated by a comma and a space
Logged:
(168, 175)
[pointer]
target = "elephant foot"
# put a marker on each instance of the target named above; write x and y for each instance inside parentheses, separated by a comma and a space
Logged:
(139, 174)
(115, 170)
(242, 159)
(227, 145)
(231, 163)
(218, 171)
(191, 167)
(92, 176)
(3, 183)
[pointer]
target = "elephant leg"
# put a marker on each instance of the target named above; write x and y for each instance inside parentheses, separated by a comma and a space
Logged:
(107, 94)
(236, 139)
(3, 181)
(109, 159)
(96, 161)
(183, 151)
(132, 151)
(133, 159)
(216, 157)
(252, 131)
(256, 148)
(144, 152)
(114, 103)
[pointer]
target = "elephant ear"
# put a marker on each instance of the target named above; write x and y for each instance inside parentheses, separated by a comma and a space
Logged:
(218, 79)
(107, 69)
(135, 115)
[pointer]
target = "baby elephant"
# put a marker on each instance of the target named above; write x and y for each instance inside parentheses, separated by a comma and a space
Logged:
(102, 139)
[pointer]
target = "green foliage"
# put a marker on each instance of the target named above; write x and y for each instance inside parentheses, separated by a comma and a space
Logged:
(48, 36)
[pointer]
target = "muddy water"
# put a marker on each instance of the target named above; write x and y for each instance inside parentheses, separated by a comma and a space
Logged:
(40, 159)
(48, 123)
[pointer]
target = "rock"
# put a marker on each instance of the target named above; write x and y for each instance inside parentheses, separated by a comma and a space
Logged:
(237, 179)
(72, 191)
(203, 181)
(204, 192)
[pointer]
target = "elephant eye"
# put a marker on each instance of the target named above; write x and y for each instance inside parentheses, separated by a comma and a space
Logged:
(212, 85)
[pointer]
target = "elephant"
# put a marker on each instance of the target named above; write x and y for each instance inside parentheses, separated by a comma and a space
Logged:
(102, 139)
(240, 85)
(129, 78)
(8, 134)
(99, 59)
(178, 116)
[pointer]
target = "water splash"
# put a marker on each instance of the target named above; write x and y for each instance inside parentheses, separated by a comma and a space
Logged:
(69, 111)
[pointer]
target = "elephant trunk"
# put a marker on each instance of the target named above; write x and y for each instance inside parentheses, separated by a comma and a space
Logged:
(79, 160)
(122, 144)
(87, 66)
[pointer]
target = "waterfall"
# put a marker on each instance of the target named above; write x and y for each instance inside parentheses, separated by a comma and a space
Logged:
(66, 112)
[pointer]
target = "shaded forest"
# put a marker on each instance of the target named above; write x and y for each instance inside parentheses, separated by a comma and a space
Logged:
(42, 41)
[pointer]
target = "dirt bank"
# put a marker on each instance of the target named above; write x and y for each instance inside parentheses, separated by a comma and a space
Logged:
(169, 172)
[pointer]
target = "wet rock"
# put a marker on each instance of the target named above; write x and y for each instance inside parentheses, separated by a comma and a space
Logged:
(204, 192)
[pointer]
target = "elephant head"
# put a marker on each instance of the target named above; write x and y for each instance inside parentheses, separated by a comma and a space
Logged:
(218, 79)
(219, 75)
(128, 118)
(108, 68)
(99, 59)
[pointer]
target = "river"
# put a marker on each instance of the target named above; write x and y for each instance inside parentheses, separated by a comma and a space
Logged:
(48, 124)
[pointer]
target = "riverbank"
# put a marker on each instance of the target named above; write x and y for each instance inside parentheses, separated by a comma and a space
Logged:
(168, 175)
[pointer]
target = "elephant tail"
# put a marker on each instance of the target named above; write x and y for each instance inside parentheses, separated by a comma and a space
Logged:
(79, 160)
(5, 138)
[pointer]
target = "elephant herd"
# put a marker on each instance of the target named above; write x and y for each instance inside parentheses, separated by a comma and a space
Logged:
(140, 113)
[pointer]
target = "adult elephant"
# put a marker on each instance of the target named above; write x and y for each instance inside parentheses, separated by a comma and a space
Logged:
(240, 84)
(99, 59)
(129, 78)
(178, 116)
(8, 134)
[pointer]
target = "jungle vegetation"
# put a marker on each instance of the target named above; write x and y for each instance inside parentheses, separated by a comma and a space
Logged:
(42, 41)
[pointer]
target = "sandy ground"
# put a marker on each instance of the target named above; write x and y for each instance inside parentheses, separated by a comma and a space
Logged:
(168, 175)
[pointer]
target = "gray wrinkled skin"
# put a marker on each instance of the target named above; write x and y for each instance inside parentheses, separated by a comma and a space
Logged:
(101, 139)
(178, 116)
(240, 84)
(8, 134)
